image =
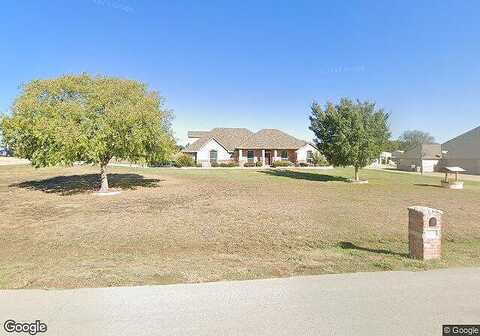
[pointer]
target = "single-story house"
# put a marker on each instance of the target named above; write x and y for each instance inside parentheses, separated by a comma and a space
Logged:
(383, 159)
(240, 145)
(396, 156)
(463, 151)
(421, 158)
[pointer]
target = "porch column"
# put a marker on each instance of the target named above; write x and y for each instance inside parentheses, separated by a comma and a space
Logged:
(263, 157)
(275, 155)
(240, 157)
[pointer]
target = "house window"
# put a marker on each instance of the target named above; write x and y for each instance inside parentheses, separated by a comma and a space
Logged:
(309, 156)
(213, 155)
(250, 156)
(284, 155)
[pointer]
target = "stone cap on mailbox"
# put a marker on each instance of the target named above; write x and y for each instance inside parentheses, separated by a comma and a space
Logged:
(427, 218)
(426, 211)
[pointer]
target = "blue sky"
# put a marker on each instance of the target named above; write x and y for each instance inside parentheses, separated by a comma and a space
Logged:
(260, 64)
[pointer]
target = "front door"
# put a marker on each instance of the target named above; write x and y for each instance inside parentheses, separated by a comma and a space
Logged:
(268, 157)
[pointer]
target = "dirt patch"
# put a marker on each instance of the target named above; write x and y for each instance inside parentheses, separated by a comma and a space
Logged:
(170, 225)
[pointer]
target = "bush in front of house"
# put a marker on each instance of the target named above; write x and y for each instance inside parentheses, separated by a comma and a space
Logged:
(249, 164)
(319, 160)
(258, 163)
(228, 164)
(184, 160)
(281, 163)
(304, 164)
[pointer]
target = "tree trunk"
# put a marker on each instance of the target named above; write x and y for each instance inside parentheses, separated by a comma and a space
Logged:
(356, 174)
(104, 178)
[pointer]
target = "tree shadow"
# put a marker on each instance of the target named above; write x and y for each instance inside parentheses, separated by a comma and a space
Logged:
(427, 185)
(351, 246)
(75, 184)
(303, 175)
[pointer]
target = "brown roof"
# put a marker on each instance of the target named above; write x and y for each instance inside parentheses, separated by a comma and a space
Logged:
(196, 134)
(270, 138)
(232, 138)
(229, 138)
(425, 151)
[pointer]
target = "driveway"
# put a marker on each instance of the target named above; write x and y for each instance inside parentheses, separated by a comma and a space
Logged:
(389, 303)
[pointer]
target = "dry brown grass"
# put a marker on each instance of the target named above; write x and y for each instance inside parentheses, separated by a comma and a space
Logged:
(206, 225)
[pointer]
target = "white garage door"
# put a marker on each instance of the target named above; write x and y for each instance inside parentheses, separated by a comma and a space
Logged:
(429, 165)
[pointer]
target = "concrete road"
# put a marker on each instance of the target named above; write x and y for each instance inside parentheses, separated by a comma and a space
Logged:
(389, 303)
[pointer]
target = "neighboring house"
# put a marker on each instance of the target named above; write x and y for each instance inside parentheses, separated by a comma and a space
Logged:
(222, 145)
(384, 159)
(421, 158)
(396, 155)
(463, 151)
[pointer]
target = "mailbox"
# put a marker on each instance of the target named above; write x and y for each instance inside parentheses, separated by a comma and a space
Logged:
(424, 232)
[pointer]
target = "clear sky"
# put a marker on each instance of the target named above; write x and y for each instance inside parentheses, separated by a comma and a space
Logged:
(260, 64)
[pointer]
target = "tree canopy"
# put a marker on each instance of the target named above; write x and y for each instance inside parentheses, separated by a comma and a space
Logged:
(412, 138)
(92, 119)
(349, 133)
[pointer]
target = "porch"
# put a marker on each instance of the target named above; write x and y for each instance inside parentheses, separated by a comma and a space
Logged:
(265, 156)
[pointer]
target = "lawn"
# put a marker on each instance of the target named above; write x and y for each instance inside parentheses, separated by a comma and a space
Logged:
(177, 225)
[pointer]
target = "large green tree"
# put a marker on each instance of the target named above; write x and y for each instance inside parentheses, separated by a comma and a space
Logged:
(350, 133)
(413, 138)
(91, 119)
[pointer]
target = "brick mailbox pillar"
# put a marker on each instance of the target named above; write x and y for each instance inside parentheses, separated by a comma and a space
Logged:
(424, 232)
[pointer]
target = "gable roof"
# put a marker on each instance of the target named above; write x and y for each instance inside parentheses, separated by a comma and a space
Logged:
(270, 138)
(464, 146)
(196, 134)
(425, 151)
(229, 138)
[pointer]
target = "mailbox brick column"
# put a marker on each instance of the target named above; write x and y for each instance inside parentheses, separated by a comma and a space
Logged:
(424, 232)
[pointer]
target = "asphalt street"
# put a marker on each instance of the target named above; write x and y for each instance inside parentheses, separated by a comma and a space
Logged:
(383, 303)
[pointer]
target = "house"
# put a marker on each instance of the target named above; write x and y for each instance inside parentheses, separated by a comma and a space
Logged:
(421, 158)
(463, 151)
(396, 156)
(240, 145)
(383, 159)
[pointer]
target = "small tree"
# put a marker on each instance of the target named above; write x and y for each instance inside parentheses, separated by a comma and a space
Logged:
(319, 160)
(349, 134)
(413, 138)
(92, 119)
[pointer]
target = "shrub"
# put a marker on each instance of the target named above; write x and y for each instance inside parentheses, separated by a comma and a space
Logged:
(184, 160)
(213, 164)
(319, 159)
(249, 164)
(228, 164)
(304, 164)
(258, 163)
(281, 163)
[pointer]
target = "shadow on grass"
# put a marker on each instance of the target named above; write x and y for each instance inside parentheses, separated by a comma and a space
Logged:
(75, 184)
(303, 175)
(351, 246)
(427, 185)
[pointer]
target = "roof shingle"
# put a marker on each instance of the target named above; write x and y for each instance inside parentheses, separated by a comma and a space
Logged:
(270, 138)
(232, 138)
(229, 138)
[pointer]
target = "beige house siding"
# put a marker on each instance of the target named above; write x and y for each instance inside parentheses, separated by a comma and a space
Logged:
(472, 166)
(203, 155)
(463, 151)
(302, 153)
